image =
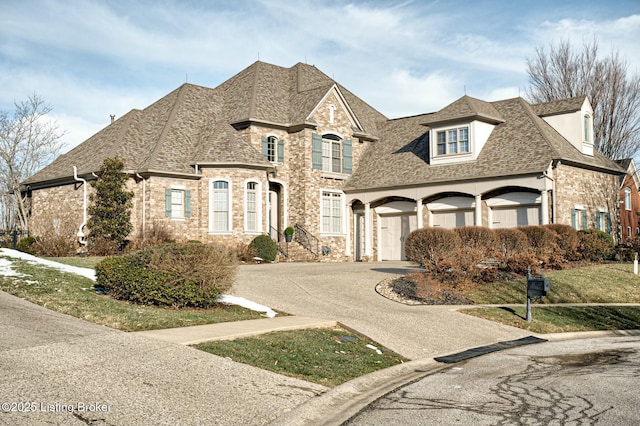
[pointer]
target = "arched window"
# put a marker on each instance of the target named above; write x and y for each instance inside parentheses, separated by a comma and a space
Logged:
(331, 153)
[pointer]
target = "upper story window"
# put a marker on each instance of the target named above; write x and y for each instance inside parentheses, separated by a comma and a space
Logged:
(332, 154)
(627, 198)
(273, 149)
(453, 141)
(586, 122)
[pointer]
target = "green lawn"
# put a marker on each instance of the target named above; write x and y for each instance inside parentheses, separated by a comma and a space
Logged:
(325, 356)
(608, 283)
(73, 295)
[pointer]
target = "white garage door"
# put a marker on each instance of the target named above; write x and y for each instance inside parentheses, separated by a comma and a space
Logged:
(511, 217)
(453, 219)
(394, 231)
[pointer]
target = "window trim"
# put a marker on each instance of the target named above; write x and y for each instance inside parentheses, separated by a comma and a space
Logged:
(212, 229)
(333, 141)
(341, 196)
(258, 203)
(627, 198)
(587, 128)
(452, 148)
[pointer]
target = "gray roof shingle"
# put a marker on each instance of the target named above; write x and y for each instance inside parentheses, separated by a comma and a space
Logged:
(522, 143)
(192, 124)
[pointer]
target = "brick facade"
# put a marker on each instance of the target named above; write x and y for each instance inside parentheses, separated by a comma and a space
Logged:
(629, 218)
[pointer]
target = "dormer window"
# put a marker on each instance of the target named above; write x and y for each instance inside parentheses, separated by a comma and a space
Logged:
(453, 141)
(587, 128)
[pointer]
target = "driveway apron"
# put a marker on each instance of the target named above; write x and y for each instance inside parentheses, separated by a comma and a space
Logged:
(345, 292)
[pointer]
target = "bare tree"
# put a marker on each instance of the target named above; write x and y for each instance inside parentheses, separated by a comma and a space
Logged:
(564, 72)
(28, 141)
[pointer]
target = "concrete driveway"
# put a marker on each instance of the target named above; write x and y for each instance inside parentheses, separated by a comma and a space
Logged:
(60, 370)
(346, 292)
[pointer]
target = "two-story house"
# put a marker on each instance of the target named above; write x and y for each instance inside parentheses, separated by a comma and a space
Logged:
(274, 147)
(629, 200)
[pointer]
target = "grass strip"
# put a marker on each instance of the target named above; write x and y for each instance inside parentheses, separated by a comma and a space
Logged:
(73, 295)
(605, 283)
(325, 356)
(557, 319)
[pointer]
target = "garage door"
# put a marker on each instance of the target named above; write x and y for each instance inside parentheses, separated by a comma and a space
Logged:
(453, 219)
(511, 217)
(394, 231)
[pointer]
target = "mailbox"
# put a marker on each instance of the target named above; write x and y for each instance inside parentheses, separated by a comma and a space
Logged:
(537, 286)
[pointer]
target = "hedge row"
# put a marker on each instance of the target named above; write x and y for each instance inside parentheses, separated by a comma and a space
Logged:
(178, 275)
(478, 252)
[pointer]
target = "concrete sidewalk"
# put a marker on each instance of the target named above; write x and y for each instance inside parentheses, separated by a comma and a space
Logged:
(233, 330)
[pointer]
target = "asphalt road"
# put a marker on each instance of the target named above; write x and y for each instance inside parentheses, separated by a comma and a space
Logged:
(572, 382)
(59, 370)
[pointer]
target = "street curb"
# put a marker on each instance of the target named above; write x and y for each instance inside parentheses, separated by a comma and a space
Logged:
(339, 404)
(575, 335)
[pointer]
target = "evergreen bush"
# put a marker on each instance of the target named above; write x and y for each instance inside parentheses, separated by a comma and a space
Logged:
(595, 245)
(265, 247)
(110, 211)
(177, 275)
(26, 244)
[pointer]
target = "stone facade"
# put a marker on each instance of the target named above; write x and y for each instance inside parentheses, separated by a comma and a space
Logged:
(579, 189)
(197, 144)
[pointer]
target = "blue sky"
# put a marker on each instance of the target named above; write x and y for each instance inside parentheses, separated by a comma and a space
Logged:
(90, 58)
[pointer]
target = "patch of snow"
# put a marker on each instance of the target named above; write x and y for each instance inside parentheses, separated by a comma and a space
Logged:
(241, 301)
(6, 270)
(15, 254)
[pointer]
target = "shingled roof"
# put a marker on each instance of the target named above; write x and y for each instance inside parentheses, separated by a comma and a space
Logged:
(522, 143)
(193, 124)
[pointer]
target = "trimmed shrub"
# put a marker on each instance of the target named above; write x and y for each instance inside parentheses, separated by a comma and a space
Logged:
(178, 275)
(55, 246)
(595, 245)
(244, 253)
(511, 242)
(543, 241)
(430, 246)
(26, 244)
(567, 241)
(158, 234)
(265, 247)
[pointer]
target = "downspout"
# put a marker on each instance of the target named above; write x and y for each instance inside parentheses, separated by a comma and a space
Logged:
(553, 195)
(144, 203)
(81, 237)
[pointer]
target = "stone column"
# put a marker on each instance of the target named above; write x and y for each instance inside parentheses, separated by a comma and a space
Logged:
(545, 206)
(347, 238)
(368, 232)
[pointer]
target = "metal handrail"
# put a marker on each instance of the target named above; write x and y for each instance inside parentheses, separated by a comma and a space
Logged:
(283, 247)
(307, 240)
